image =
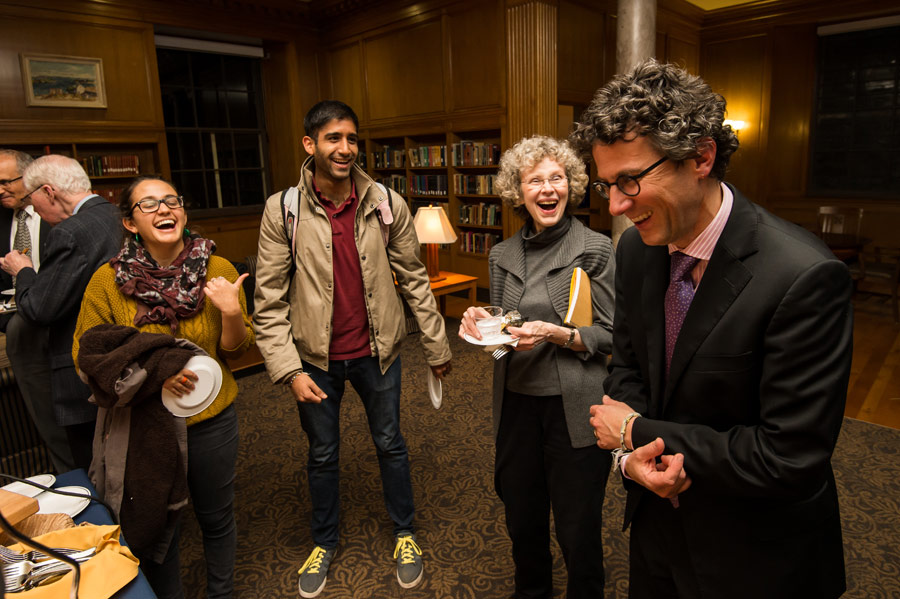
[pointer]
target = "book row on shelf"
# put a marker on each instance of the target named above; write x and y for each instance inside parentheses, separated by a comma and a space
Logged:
(474, 153)
(389, 157)
(474, 184)
(482, 214)
(110, 194)
(425, 156)
(429, 185)
(395, 182)
(111, 165)
(477, 243)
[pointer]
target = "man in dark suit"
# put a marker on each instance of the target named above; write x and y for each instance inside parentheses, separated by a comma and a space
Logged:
(731, 355)
(27, 344)
(86, 233)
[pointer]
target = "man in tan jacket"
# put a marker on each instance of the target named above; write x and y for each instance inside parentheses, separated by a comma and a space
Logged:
(328, 311)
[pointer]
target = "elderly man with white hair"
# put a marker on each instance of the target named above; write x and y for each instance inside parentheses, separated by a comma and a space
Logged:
(86, 233)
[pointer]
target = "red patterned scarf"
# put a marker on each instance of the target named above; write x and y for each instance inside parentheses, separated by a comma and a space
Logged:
(164, 295)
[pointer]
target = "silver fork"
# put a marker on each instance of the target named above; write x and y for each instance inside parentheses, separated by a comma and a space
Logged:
(16, 574)
(500, 352)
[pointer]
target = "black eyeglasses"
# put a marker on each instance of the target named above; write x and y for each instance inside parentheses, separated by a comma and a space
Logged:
(148, 205)
(8, 182)
(627, 184)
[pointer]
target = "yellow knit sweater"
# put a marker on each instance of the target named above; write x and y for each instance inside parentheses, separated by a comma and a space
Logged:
(103, 303)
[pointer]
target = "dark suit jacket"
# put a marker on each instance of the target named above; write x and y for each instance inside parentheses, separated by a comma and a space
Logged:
(754, 401)
(77, 247)
(6, 220)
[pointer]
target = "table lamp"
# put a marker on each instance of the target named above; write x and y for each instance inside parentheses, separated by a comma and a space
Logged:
(433, 228)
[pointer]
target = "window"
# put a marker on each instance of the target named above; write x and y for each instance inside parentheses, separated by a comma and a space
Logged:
(856, 131)
(215, 127)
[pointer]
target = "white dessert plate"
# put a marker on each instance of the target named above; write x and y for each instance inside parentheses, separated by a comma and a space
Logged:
(206, 388)
(52, 503)
(435, 390)
(8, 292)
(27, 490)
(495, 340)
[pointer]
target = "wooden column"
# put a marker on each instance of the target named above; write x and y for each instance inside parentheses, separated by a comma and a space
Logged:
(531, 55)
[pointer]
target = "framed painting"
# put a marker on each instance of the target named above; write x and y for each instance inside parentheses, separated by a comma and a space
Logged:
(63, 81)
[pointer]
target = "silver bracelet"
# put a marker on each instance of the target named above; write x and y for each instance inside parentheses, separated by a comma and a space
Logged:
(297, 373)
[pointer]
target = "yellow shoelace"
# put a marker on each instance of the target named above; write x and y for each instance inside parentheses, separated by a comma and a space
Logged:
(313, 562)
(407, 549)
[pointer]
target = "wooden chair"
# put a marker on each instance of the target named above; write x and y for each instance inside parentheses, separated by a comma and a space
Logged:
(840, 220)
(882, 264)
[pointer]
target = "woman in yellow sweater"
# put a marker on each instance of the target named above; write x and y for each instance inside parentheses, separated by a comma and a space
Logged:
(166, 280)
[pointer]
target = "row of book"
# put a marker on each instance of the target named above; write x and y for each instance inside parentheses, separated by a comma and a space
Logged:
(395, 182)
(389, 157)
(110, 194)
(429, 185)
(484, 214)
(475, 153)
(474, 184)
(477, 243)
(424, 156)
(111, 165)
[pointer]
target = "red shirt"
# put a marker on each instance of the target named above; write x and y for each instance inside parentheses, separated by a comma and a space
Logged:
(349, 317)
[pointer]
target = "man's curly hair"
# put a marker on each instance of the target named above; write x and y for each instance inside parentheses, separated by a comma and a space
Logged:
(673, 108)
(524, 156)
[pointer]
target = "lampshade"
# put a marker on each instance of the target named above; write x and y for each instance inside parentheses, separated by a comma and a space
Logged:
(433, 226)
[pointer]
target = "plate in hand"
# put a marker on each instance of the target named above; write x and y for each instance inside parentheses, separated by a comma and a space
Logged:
(206, 388)
(495, 340)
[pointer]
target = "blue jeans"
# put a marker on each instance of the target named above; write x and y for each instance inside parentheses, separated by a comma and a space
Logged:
(380, 395)
(212, 454)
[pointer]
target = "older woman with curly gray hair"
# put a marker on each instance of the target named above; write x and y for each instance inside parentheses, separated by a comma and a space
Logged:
(546, 456)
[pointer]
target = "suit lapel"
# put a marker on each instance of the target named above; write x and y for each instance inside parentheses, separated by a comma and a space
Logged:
(655, 280)
(724, 279)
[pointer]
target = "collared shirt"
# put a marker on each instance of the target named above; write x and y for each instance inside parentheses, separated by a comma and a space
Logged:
(33, 220)
(349, 317)
(702, 247)
(82, 201)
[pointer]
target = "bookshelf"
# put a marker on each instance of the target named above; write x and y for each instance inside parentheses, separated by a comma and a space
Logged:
(455, 170)
(110, 166)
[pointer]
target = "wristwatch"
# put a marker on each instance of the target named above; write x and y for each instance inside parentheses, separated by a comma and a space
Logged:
(570, 340)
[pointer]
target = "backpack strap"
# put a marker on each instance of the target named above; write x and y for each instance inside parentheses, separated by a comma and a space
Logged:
(290, 208)
(386, 214)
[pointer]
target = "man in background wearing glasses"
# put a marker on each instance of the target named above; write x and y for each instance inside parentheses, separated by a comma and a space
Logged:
(86, 233)
(732, 342)
(27, 344)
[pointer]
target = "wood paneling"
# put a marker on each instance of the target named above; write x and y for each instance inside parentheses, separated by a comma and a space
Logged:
(685, 53)
(582, 45)
(128, 67)
(737, 69)
(476, 58)
(405, 71)
(345, 77)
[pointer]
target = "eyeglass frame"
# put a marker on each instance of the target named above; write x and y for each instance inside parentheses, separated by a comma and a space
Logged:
(6, 182)
(562, 179)
(159, 202)
(603, 188)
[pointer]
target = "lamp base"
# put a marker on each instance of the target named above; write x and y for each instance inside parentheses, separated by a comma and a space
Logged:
(432, 263)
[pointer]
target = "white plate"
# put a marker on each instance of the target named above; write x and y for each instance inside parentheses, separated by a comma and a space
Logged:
(495, 340)
(206, 388)
(435, 391)
(8, 292)
(52, 503)
(27, 490)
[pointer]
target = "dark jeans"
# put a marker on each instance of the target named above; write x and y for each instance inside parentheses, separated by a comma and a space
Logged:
(212, 454)
(381, 399)
(538, 469)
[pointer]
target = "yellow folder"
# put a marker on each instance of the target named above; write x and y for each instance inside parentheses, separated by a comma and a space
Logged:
(580, 311)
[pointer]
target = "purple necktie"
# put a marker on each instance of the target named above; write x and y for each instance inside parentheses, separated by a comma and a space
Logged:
(678, 299)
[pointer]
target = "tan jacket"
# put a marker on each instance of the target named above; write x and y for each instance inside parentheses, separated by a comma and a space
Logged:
(293, 318)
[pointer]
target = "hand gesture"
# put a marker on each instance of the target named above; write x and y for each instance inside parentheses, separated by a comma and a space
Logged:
(441, 370)
(467, 324)
(180, 383)
(531, 334)
(666, 478)
(13, 262)
(305, 390)
(607, 422)
(225, 295)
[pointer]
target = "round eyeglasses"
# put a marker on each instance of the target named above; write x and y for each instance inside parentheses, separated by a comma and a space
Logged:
(148, 205)
(627, 184)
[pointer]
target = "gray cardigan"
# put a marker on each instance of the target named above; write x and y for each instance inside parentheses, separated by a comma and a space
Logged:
(581, 374)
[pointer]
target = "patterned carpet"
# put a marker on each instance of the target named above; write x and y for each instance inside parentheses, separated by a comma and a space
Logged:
(459, 518)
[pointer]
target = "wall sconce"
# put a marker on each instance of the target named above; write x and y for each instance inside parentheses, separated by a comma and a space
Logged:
(735, 125)
(433, 228)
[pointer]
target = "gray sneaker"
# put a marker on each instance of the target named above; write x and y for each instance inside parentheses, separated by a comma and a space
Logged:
(409, 560)
(314, 571)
